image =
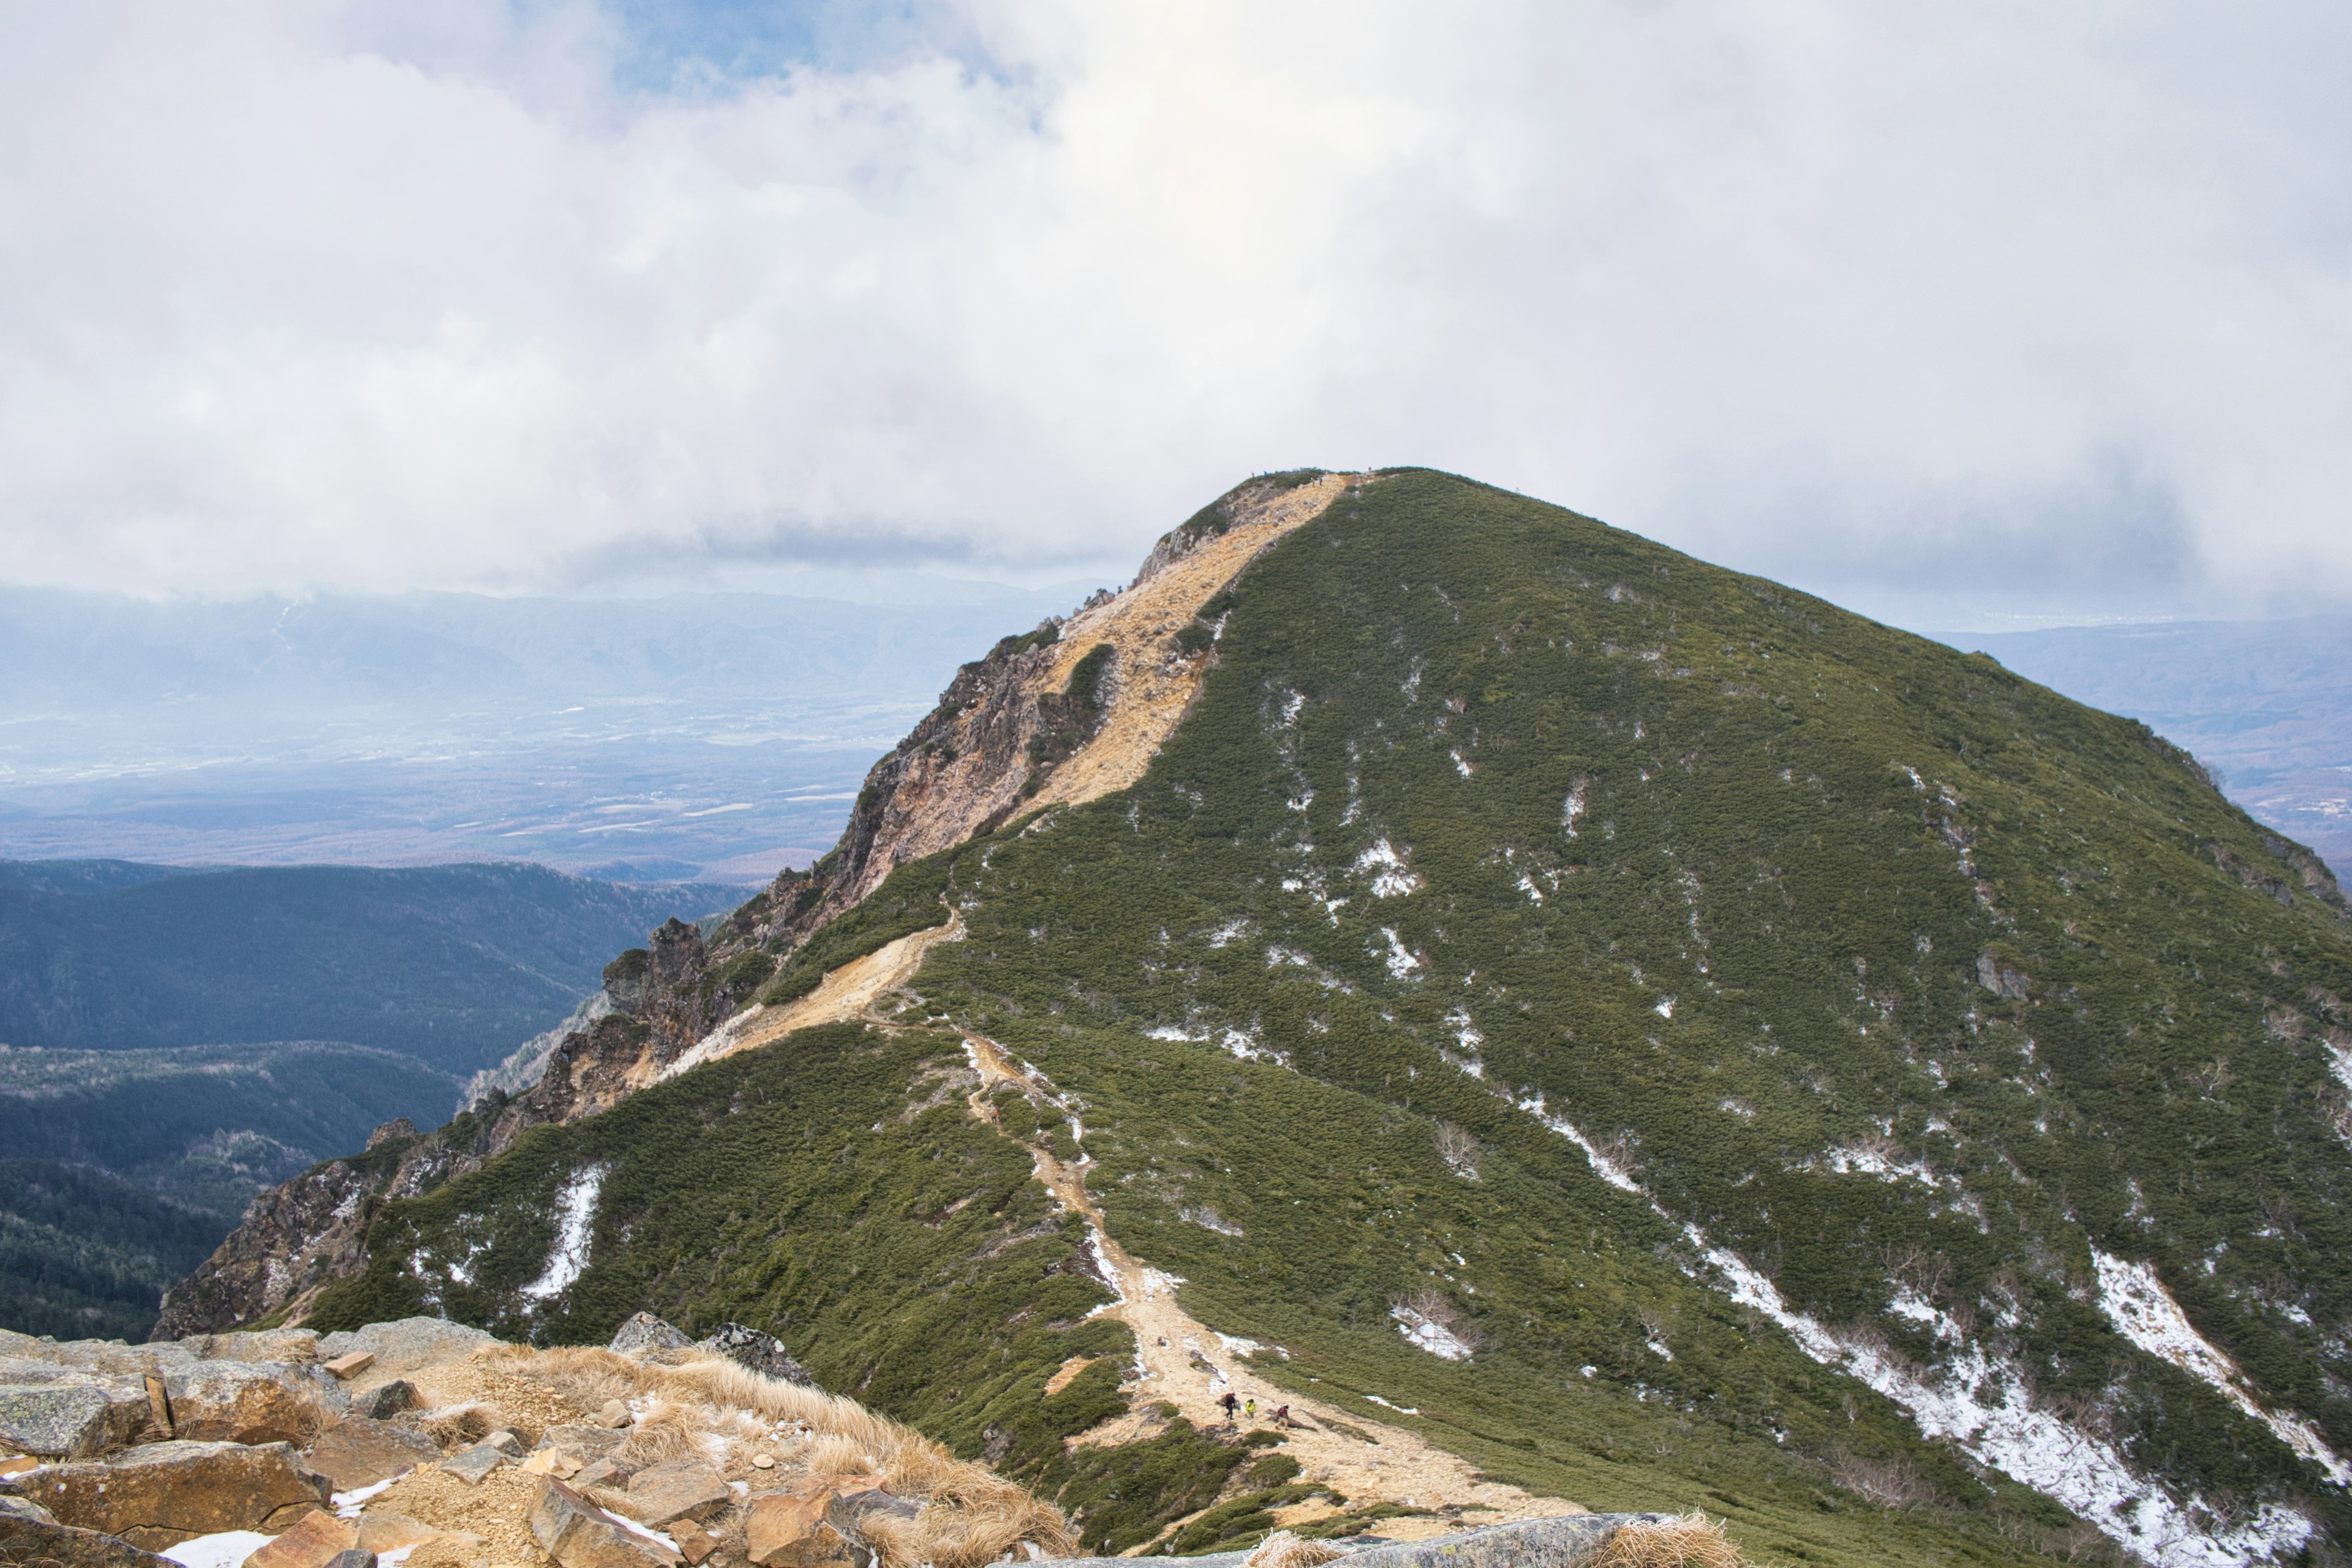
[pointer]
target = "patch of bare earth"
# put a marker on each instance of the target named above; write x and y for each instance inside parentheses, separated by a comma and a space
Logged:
(1156, 683)
(845, 994)
(1184, 1363)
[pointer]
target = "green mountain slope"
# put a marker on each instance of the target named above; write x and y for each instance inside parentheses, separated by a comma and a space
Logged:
(1816, 1076)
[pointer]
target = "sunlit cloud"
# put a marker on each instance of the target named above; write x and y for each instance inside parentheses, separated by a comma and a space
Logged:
(2040, 306)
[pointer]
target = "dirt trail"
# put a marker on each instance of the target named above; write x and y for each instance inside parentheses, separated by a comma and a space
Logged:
(846, 992)
(1156, 682)
(1191, 1366)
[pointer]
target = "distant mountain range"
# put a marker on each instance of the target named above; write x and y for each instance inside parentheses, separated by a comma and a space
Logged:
(2268, 704)
(710, 735)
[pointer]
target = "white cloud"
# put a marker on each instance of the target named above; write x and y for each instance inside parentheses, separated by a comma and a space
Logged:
(375, 296)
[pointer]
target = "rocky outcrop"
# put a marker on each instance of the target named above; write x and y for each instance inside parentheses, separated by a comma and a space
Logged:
(157, 1496)
(1061, 714)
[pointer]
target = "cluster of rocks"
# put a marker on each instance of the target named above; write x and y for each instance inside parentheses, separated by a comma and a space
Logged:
(110, 1454)
(116, 1452)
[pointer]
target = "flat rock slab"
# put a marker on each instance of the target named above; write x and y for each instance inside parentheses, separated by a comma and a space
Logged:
(406, 1344)
(361, 1452)
(682, 1489)
(164, 1493)
(470, 1465)
(31, 1534)
(314, 1541)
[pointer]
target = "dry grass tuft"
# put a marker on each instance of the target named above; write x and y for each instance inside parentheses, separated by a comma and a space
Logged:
(1284, 1550)
(969, 1515)
(1693, 1540)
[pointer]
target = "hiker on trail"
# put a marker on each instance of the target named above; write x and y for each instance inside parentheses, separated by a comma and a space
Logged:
(1229, 1402)
(1282, 1415)
(1249, 1409)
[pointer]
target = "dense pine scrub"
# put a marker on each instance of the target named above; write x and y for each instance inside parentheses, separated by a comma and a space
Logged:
(1646, 971)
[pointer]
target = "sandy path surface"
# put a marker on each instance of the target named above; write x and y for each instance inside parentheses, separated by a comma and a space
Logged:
(1191, 1366)
(1156, 682)
(846, 992)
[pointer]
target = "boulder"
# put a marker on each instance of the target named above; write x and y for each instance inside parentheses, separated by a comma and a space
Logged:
(761, 1351)
(361, 1452)
(788, 1530)
(253, 1402)
(853, 1504)
(355, 1558)
(350, 1364)
(164, 1493)
(406, 1343)
(576, 1533)
(394, 1398)
(471, 1465)
(314, 1541)
(682, 1489)
(505, 1442)
(29, 1533)
(645, 1332)
(71, 1420)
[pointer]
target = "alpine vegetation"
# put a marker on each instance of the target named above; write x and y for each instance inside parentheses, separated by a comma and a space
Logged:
(1555, 1020)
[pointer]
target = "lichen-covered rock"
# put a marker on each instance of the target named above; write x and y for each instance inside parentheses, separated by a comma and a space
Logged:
(643, 1332)
(762, 1353)
(163, 1493)
(406, 1344)
(69, 1420)
(253, 1402)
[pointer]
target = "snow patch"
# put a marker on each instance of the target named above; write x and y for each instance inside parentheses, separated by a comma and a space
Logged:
(1981, 1403)
(348, 1504)
(1235, 1345)
(1392, 878)
(1175, 1032)
(575, 1218)
(227, 1550)
(1159, 1282)
(2135, 1300)
(1276, 957)
(1573, 807)
(1225, 933)
(1526, 885)
(1104, 1271)
(1400, 1409)
(1461, 764)
(1434, 1337)
(1870, 1159)
(1665, 1009)
(1400, 963)
(1209, 1219)
(1607, 1169)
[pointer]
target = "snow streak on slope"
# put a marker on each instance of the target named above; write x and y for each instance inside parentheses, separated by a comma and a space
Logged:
(1984, 1405)
(575, 1219)
(2144, 1312)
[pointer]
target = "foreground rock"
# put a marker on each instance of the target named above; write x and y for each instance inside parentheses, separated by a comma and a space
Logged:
(29, 1533)
(164, 1493)
(578, 1534)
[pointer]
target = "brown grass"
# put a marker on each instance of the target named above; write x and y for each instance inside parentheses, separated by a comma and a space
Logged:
(1284, 1550)
(1693, 1540)
(969, 1515)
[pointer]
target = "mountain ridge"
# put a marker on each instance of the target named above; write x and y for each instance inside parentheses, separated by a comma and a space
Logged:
(1510, 878)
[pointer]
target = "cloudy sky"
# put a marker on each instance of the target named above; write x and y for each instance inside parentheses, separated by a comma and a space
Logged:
(1960, 311)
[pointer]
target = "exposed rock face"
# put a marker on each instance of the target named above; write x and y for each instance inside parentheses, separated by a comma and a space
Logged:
(1065, 713)
(643, 1332)
(763, 1352)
